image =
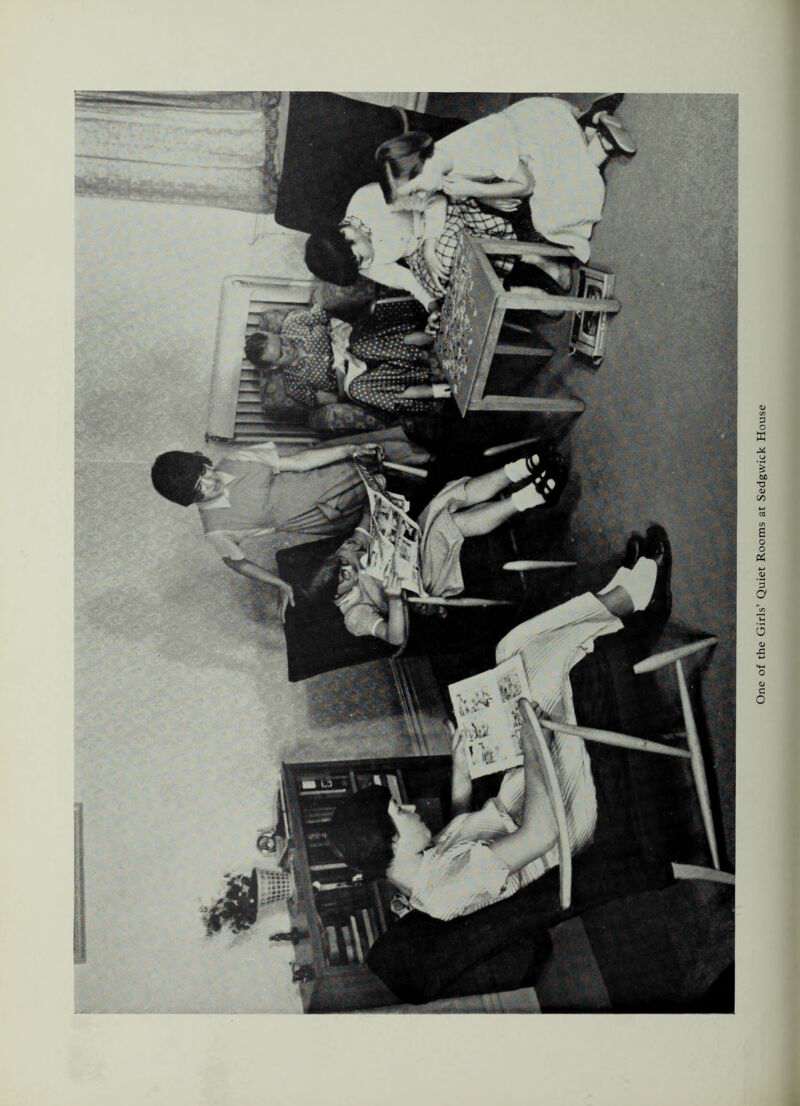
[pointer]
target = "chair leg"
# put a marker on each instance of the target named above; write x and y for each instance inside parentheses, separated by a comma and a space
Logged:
(523, 566)
(493, 450)
(698, 871)
(698, 768)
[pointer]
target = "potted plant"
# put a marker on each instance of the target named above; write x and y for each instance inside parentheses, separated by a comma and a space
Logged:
(238, 906)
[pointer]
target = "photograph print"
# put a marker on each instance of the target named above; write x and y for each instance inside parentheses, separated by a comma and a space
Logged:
(376, 393)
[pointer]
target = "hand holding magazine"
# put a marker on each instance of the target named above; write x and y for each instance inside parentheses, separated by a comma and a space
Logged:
(488, 714)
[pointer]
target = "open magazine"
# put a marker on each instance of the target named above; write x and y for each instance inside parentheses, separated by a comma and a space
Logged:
(394, 537)
(487, 711)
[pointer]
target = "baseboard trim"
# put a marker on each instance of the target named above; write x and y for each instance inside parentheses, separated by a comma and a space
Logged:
(409, 701)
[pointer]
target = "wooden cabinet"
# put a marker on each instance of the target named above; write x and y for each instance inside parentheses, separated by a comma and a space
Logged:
(342, 913)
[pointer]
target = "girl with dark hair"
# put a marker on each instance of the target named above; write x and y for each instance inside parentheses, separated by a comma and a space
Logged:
(464, 508)
(255, 491)
(535, 150)
(374, 237)
(485, 855)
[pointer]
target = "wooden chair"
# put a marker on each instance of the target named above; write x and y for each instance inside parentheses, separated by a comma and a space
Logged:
(692, 752)
(317, 640)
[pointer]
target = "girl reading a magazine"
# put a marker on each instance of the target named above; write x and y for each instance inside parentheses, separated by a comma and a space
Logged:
(465, 508)
(486, 855)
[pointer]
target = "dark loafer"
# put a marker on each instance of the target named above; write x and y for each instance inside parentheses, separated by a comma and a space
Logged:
(608, 104)
(549, 473)
(657, 547)
(633, 550)
(615, 134)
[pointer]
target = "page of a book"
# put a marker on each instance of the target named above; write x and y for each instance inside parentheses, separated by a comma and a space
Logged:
(394, 537)
(487, 711)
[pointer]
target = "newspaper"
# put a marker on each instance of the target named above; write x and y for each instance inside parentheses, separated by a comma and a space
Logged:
(394, 537)
(488, 713)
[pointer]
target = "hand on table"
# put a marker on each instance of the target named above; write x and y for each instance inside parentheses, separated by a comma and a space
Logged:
(434, 319)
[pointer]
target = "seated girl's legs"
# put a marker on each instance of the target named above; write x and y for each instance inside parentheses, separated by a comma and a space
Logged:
(381, 388)
(479, 489)
(466, 215)
(379, 337)
(484, 518)
(481, 513)
(491, 223)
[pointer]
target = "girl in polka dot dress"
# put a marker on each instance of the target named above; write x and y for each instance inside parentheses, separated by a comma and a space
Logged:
(371, 361)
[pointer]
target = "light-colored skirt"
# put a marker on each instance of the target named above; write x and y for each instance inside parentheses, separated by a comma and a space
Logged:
(569, 191)
(441, 541)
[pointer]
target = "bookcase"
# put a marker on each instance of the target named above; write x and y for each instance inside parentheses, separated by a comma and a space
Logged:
(338, 912)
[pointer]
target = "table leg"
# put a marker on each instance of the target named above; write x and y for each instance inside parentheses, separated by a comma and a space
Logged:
(525, 403)
(534, 299)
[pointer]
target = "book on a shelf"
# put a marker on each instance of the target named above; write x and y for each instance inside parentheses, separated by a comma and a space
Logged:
(388, 780)
(319, 815)
(346, 936)
(394, 786)
(489, 715)
(359, 950)
(324, 784)
(322, 854)
(368, 927)
(328, 884)
(332, 943)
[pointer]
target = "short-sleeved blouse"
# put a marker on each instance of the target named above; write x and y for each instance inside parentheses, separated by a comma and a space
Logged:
(459, 873)
(260, 500)
(543, 132)
(394, 235)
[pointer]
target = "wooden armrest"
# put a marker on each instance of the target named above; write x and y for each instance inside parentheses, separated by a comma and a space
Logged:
(621, 740)
(557, 802)
(461, 601)
(661, 660)
(523, 566)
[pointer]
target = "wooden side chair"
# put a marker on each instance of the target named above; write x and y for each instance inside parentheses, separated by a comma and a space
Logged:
(691, 752)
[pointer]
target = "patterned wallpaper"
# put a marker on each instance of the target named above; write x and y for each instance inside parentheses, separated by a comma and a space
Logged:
(183, 712)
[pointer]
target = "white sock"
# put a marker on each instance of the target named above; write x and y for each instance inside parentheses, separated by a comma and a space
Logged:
(526, 498)
(618, 580)
(518, 470)
(639, 582)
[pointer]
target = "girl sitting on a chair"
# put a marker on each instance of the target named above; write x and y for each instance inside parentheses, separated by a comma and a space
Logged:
(540, 149)
(465, 508)
(323, 359)
(374, 237)
(486, 855)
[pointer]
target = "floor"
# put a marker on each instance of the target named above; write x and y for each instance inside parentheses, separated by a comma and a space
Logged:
(657, 440)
